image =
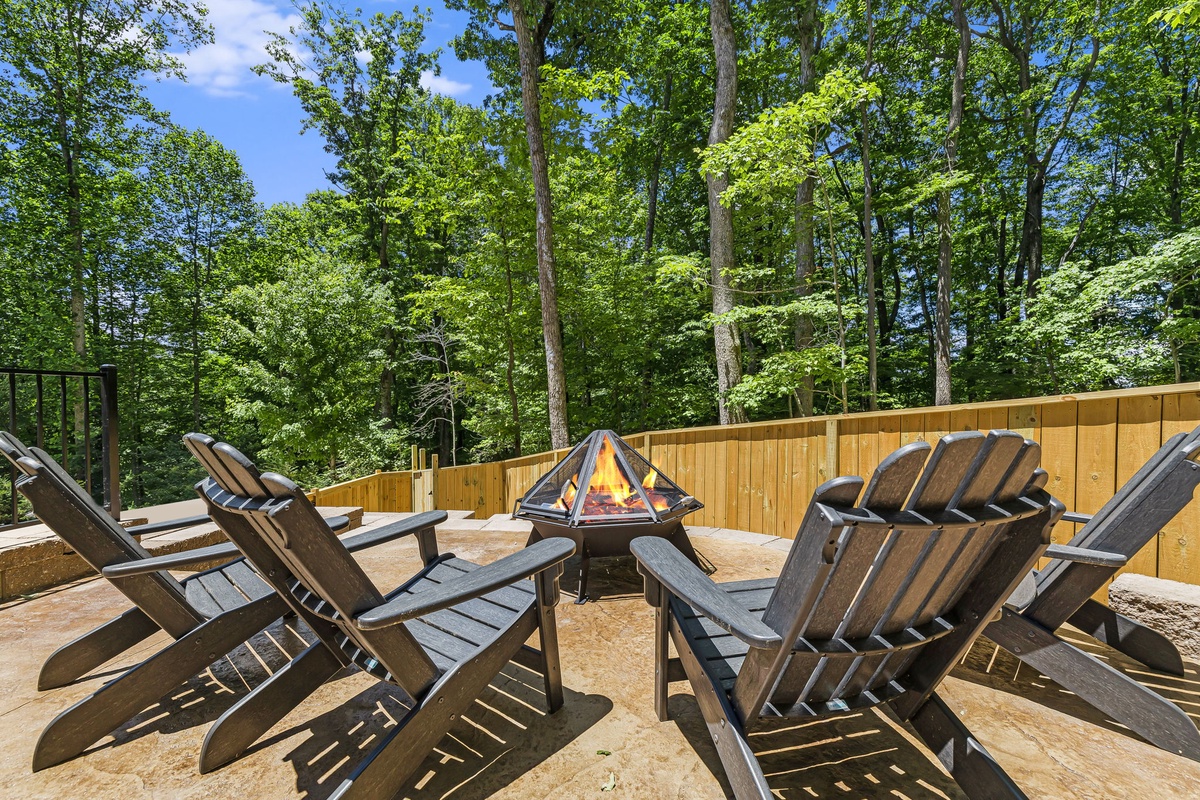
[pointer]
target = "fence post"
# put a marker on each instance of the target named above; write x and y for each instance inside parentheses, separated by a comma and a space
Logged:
(832, 469)
(109, 443)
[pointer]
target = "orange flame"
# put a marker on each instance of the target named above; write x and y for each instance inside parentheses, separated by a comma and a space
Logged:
(656, 499)
(610, 491)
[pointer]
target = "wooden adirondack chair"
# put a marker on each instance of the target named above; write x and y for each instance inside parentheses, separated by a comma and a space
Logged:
(875, 604)
(220, 608)
(440, 637)
(1061, 592)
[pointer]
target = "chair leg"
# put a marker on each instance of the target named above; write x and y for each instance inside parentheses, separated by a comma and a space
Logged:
(741, 766)
(1157, 719)
(971, 766)
(89, 720)
(662, 655)
(406, 745)
(1129, 636)
(546, 583)
(77, 658)
(252, 716)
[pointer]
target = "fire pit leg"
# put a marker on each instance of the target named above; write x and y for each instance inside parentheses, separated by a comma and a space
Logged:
(683, 544)
(585, 562)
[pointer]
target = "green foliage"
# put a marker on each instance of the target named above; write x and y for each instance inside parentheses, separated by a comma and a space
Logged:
(309, 355)
(1184, 15)
(303, 333)
(773, 154)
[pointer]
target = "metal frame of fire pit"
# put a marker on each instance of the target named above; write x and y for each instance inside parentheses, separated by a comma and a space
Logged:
(602, 535)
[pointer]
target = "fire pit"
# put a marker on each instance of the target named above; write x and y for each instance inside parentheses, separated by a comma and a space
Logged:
(603, 495)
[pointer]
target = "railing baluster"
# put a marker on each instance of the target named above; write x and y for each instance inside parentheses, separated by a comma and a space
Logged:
(62, 420)
(41, 422)
(40, 437)
(87, 435)
(12, 427)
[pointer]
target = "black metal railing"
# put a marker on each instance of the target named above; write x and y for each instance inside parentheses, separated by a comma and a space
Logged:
(72, 401)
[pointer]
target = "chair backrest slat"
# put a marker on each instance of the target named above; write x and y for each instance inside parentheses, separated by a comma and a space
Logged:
(997, 454)
(945, 471)
(1020, 474)
(895, 477)
(896, 570)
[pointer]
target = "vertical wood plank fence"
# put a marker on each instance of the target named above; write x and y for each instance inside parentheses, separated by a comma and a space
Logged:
(759, 476)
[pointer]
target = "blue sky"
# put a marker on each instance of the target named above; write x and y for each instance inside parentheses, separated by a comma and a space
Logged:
(259, 119)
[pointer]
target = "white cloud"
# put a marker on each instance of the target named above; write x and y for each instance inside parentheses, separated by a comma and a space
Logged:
(439, 84)
(223, 68)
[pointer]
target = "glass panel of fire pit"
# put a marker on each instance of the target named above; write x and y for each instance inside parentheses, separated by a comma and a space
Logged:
(559, 492)
(661, 492)
(611, 491)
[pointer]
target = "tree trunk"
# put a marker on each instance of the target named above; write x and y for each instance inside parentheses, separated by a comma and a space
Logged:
(941, 382)
(1001, 267)
(556, 384)
(806, 259)
(729, 367)
(511, 367)
(868, 255)
(1029, 259)
(1175, 199)
(656, 170)
(71, 156)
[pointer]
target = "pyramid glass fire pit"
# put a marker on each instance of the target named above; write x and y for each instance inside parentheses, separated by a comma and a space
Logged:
(603, 495)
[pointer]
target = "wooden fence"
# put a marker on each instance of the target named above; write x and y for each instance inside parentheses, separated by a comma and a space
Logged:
(759, 476)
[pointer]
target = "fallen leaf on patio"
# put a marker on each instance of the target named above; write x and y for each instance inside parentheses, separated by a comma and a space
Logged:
(604, 752)
(612, 783)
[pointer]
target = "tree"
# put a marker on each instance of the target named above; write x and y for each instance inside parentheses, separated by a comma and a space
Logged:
(308, 356)
(204, 201)
(1051, 79)
(531, 49)
(71, 87)
(359, 84)
(720, 217)
(945, 242)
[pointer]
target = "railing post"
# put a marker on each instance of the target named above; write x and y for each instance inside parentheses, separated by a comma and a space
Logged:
(108, 442)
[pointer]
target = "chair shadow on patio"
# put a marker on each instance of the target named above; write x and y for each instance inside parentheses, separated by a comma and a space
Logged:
(207, 695)
(505, 734)
(859, 754)
(992, 666)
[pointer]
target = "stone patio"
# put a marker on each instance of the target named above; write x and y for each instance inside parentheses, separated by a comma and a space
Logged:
(606, 742)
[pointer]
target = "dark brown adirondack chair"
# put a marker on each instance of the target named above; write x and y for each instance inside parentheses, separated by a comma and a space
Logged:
(876, 603)
(440, 637)
(1061, 592)
(221, 607)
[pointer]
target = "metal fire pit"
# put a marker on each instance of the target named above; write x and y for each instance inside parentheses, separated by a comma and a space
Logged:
(603, 495)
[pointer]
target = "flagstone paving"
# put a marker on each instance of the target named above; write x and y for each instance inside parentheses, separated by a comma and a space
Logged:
(605, 743)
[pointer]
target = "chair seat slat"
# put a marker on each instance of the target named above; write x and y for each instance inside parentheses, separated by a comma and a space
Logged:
(247, 580)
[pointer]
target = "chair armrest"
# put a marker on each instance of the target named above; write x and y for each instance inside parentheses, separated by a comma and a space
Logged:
(1076, 517)
(186, 558)
(1084, 555)
(167, 525)
(660, 561)
(144, 566)
(387, 533)
(339, 524)
(508, 570)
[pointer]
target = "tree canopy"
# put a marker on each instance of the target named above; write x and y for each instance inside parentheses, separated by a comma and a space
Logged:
(959, 202)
